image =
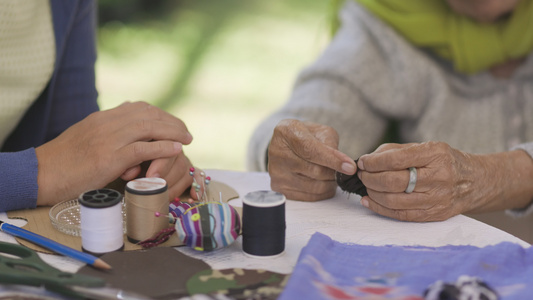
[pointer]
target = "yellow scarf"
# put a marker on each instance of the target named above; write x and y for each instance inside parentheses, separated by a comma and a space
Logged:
(470, 45)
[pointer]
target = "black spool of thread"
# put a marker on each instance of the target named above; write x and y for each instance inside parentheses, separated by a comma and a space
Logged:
(263, 224)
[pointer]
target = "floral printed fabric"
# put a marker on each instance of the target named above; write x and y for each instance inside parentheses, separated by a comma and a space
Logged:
(327, 269)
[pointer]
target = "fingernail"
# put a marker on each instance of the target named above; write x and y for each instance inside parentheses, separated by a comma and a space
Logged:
(360, 164)
(348, 168)
(156, 175)
(177, 146)
(364, 202)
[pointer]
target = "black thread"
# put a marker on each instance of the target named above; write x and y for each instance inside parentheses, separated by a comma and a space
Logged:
(263, 230)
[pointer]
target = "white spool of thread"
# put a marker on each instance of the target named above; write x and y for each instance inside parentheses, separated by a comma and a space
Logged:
(102, 228)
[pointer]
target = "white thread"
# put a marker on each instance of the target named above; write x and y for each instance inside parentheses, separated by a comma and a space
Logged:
(101, 228)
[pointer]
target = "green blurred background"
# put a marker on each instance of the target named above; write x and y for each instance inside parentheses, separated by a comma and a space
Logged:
(220, 65)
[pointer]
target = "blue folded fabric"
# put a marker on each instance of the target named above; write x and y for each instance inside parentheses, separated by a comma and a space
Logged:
(327, 269)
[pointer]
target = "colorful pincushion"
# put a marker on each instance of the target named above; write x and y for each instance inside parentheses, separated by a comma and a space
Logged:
(177, 208)
(206, 226)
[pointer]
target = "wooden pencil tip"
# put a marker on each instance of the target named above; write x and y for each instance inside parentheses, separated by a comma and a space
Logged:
(100, 264)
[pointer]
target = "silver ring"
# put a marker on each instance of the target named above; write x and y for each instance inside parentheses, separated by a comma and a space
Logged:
(412, 180)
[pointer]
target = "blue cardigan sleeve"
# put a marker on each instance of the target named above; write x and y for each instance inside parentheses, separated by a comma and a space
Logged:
(18, 184)
(68, 98)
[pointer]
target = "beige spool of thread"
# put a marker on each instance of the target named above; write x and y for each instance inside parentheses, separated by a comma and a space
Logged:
(144, 197)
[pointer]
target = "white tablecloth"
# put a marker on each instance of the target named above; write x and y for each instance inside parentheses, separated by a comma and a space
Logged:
(342, 218)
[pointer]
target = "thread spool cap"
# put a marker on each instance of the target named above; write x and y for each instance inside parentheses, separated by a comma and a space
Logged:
(146, 186)
(264, 199)
(100, 198)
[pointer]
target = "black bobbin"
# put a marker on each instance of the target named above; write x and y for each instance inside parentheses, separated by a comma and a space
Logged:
(100, 198)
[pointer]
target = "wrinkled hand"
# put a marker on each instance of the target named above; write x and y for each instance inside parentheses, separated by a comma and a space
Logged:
(109, 144)
(303, 158)
(449, 182)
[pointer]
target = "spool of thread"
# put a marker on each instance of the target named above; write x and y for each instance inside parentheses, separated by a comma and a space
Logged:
(263, 224)
(101, 221)
(146, 198)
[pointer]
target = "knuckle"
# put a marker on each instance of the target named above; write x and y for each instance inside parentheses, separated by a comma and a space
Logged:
(377, 162)
(138, 150)
(332, 133)
(306, 150)
(286, 131)
(277, 148)
(285, 126)
(154, 112)
(434, 215)
(391, 181)
(138, 105)
(144, 125)
(384, 147)
(275, 175)
(323, 188)
(327, 134)
(387, 200)
(317, 171)
(280, 187)
(443, 176)
(161, 147)
(280, 135)
(440, 148)
(278, 179)
(402, 215)
(379, 199)
(142, 104)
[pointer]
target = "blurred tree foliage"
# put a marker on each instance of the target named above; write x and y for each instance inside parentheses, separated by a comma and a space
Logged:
(128, 11)
(191, 25)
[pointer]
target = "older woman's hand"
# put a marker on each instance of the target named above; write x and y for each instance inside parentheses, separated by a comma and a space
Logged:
(303, 158)
(450, 181)
(109, 144)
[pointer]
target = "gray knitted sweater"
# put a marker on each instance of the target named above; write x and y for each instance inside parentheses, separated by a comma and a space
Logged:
(369, 75)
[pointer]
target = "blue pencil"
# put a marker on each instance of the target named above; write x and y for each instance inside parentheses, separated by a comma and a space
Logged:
(53, 246)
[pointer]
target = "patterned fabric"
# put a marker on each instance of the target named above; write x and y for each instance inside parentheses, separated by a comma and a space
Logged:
(208, 226)
(331, 270)
(27, 54)
(239, 284)
(465, 287)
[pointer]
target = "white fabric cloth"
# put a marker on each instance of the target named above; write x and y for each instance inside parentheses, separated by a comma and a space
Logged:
(27, 56)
